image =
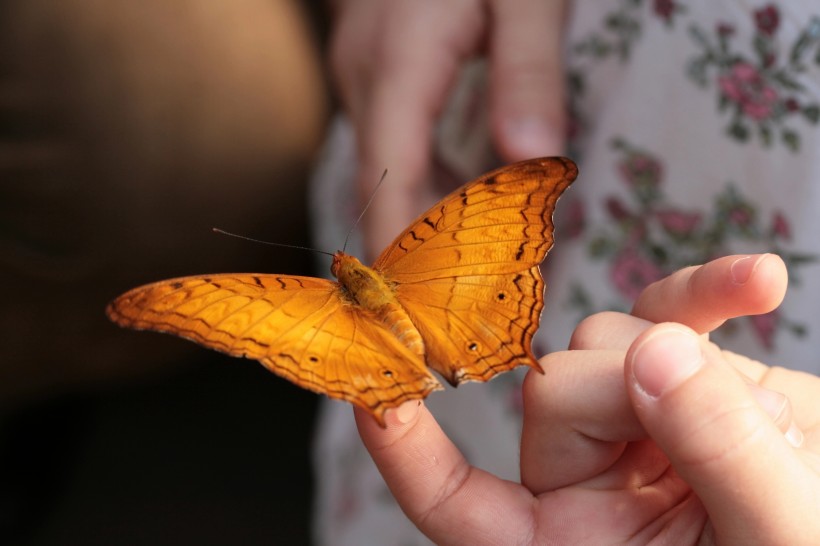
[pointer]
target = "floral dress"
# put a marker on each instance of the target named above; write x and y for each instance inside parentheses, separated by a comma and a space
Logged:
(695, 127)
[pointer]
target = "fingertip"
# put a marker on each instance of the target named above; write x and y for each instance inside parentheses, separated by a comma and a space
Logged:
(704, 297)
(404, 414)
(375, 429)
(526, 137)
(745, 268)
(779, 408)
(663, 359)
(742, 268)
(527, 79)
(758, 282)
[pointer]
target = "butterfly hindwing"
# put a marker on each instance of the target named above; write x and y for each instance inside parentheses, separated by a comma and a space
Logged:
(490, 321)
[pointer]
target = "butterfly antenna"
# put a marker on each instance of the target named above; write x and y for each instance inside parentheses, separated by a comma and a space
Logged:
(364, 209)
(223, 232)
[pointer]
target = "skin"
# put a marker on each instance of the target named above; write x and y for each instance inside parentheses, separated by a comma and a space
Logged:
(643, 431)
(394, 64)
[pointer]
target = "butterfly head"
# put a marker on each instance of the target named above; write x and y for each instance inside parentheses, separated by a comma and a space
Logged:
(336, 265)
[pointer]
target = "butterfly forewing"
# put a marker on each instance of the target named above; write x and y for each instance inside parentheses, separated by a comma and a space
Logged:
(298, 327)
(467, 270)
(501, 220)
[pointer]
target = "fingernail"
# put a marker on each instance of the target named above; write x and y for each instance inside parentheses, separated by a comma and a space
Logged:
(407, 411)
(665, 360)
(742, 268)
(531, 137)
(794, 435)
(773, 403)
(777, 406)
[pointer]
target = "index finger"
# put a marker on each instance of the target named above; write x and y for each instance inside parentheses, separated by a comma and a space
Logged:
(700, 297)
(435, 485)
(706, 296)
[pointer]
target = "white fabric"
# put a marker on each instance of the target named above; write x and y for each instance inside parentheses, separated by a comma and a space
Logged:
(704, 191)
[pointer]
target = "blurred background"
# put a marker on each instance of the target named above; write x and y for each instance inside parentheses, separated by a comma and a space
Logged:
(127, 130)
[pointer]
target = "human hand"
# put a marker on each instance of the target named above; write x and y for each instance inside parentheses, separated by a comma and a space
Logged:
(395, 63)
(602, 461)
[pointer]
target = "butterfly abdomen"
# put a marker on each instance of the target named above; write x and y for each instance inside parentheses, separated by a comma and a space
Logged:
(368, 289)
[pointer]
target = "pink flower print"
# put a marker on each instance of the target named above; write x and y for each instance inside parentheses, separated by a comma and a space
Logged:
(633, 225)
(767, 19)
(574, 125)
(744, 85)
(741, 216)
(346, 505)
(515, 400)
(617, 210)
(678, 222)
(725, 30)
(576, 219)
(665, 9)
(781, 227)
(631, 273)
(639, 170)
(765, 327)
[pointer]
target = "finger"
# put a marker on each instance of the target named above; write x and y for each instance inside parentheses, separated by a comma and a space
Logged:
(422, 46)
(527, 77)
(779, 409)
(704, 297)
(577, 419)
(719, 439)
(607, 331)
(355, 30)
(450, 501)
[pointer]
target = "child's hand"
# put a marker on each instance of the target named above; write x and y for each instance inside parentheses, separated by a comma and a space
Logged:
(641, 432)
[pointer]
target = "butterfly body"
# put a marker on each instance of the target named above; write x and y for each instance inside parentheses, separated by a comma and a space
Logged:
(459, 292)
(368, 289)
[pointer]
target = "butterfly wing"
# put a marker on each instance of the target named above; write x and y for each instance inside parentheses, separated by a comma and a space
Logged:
(301, 328)
(467, 270)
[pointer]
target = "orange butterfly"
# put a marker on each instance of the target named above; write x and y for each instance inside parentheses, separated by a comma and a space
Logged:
(459, 291)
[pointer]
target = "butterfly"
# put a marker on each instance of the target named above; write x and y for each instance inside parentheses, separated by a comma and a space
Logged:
(459, 292)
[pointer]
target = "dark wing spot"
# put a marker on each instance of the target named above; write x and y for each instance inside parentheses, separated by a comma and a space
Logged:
(176, 285)
(473, 346)
(387, 373)
(313, 359)
(501, 296)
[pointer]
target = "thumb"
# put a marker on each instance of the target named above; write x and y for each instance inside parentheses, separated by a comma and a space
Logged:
(527, 78)
(717, 432)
